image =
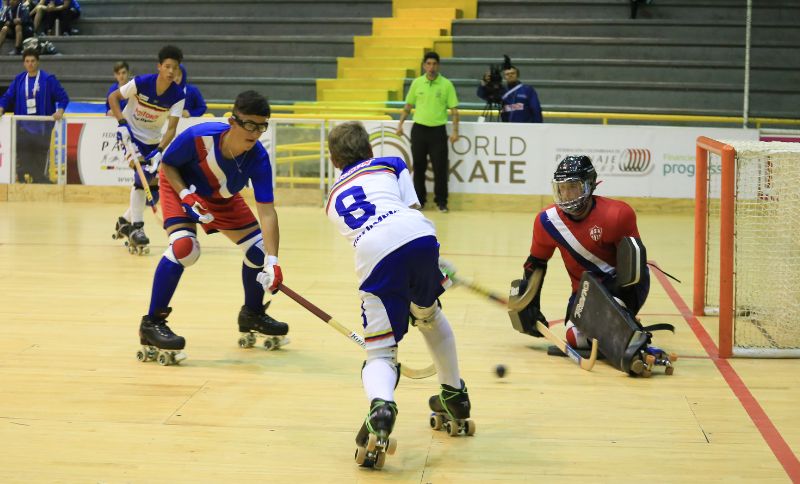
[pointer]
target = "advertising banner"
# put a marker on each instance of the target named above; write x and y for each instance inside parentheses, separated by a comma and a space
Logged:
(495, 158)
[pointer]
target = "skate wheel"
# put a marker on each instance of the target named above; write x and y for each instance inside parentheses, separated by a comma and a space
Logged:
(361, 455)
(164, 359)
(637, 367)
(436, 421)
(141, 356)
(673, 357)
(391, 447)
(469, 427)
(372, 441)
(650, 360)
(379, 461)
(452, 428)
(244, 342)
(669, 370)
(269, 344)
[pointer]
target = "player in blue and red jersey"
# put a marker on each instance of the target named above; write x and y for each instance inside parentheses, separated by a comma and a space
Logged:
(202, 173)
(153, 100)
(586, 229)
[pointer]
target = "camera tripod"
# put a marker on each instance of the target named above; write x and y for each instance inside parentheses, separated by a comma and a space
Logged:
(491, 111)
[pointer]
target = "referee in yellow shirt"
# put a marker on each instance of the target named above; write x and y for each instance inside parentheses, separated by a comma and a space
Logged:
(432, 94)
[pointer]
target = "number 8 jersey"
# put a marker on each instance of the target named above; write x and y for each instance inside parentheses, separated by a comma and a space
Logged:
(370, 205)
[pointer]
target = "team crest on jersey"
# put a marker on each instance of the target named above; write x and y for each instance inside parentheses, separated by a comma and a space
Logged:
(595, 233)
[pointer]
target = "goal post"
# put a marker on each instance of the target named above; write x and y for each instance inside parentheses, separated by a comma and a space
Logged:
(747, 245)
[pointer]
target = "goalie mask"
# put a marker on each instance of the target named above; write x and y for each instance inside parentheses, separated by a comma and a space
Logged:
(574, 182)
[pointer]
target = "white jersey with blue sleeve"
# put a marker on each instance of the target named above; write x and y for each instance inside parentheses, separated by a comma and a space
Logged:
(147, 111)
(370, 205)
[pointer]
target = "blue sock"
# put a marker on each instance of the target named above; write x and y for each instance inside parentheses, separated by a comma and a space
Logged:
(165, 281)
(253, 290)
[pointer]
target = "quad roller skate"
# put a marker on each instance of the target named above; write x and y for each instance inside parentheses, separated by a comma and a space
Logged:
(451, 411)
(649, 358)
(373, 441)
(159, 343)
(122, 229)
(253, 324)
(137, 240)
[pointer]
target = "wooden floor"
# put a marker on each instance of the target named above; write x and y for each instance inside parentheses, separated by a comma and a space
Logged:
(76, 405)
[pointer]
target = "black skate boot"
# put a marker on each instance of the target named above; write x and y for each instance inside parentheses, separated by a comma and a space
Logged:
(372, 441)
(137, 240)
(451, 411)
(122, 229)
(158, 341)
(259, 323)
(650, 357)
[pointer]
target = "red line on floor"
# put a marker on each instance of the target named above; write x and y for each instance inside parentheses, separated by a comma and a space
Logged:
(771, 435)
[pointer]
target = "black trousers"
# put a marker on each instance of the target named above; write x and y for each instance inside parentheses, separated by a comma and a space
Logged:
(430, 141)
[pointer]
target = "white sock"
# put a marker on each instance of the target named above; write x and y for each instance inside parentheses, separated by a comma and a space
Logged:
(379, 378)
(137, 206)
(442, 347)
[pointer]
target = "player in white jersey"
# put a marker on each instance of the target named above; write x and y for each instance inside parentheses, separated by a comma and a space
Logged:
(373, 204)
(153, 100)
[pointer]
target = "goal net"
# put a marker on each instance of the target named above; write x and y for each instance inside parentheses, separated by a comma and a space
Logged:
(747, 245)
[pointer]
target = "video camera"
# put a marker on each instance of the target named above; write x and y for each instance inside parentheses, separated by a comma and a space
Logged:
(494, 81)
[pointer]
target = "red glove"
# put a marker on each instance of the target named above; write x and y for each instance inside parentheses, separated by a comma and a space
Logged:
(193, 206)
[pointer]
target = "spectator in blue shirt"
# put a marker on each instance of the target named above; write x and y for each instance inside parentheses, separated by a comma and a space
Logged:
(195, 105)
(122, 73)
(34, 92)
(520, 103)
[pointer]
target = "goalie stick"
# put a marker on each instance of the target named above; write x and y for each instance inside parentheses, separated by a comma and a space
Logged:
(569, 350)
(541, 327)
(351, 335)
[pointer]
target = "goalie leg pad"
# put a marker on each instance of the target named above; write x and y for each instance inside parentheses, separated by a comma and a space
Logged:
(183, 247)
(597, 315)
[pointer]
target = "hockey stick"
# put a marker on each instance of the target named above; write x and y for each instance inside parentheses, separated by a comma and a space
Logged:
(569, 350)
(133, 152)
(351, 335)
(458, 281)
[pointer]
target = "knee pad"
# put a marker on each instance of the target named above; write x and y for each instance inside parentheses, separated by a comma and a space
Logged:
(425, 318)
(253, 248)
(183, 247)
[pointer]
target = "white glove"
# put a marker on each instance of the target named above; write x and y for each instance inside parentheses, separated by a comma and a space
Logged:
(271, 277)
(124, 133)
(193, 206)
(154, 159)
(447, 267)
(448, 271)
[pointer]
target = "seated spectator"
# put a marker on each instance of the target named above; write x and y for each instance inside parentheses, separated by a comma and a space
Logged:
(16, 24)
(122, 74)
(63, 11)
(635, 6)
(195, 105)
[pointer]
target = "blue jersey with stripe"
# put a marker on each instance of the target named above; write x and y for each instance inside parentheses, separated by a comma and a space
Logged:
(370, 204)
(197, 155)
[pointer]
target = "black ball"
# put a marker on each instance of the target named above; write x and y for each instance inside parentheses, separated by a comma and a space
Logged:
(500, 370)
